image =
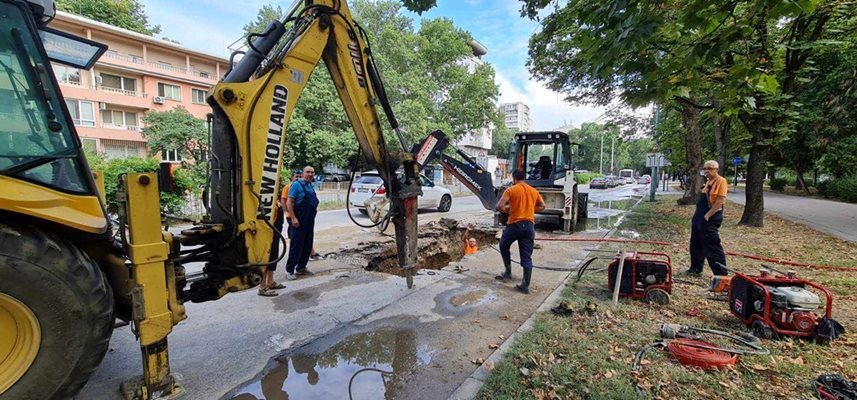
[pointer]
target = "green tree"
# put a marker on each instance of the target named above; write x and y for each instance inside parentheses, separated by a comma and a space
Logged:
(127, 14)
(265, 16)
(176, 129)
(428, 84)
(736, 58)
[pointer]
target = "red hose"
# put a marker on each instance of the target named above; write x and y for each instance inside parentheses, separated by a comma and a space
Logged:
(790, 263)
(731, 253)
(606, 240)
(688, 352)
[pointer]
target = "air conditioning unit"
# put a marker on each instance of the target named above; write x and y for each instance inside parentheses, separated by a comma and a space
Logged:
(159, 99)
(102, 105)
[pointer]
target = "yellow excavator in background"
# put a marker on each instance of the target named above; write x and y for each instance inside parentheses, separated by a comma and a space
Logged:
(69, 269)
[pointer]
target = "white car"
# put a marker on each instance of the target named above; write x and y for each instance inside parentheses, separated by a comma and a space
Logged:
(370, 184)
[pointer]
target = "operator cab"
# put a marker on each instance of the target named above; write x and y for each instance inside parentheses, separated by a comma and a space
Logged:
(544, 156)
(38, 141)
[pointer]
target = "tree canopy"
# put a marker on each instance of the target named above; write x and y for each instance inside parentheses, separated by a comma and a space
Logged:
(712, 61)
(127, 14)
(429, 82)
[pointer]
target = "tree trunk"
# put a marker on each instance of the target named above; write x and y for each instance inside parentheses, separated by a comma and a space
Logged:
(721, 140)
(754, 209)
(800, 183)
(693, 152)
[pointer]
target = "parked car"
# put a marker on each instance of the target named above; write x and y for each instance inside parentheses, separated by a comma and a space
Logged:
(370, 184)
(648, 178)
(613, 181)
(642, 180)
(337, 178)
(598, 183)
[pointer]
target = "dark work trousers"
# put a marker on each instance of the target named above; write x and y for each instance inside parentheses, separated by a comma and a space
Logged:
(524, 232)
(705, 240)
(275, 244)
(302, 236)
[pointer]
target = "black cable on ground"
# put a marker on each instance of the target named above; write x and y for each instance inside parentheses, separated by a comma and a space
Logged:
(538, 267)
(351, 381)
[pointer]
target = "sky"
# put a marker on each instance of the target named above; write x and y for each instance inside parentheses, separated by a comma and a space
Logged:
(211, 25)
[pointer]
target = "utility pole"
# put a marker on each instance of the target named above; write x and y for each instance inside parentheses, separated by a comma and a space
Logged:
(601, 158)
(611, 155)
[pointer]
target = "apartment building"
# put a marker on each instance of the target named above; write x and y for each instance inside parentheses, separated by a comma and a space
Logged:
(517, 116)
(138, 73)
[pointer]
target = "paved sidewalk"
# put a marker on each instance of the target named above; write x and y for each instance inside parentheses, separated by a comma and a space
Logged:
(833, 217)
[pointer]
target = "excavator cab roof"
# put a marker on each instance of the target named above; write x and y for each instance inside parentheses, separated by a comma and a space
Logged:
(541, 137)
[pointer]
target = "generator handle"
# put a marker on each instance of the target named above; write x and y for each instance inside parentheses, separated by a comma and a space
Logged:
(828, 312)
(659, 254)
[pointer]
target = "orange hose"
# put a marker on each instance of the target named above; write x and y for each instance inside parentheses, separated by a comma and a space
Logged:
(730, 253)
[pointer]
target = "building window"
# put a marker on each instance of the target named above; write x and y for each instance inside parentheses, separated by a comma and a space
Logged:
(121, 119)
(122, 148)
(171, 92)
(118, 82)
(67, 75)
(82, 112)
(171, 156)
(197, 96)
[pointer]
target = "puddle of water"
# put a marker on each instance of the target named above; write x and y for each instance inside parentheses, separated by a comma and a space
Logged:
(461, 300)
(606, 214)
(369, 365)
(469, 298)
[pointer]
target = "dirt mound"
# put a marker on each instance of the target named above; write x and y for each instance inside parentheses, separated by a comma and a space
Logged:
(440, 242)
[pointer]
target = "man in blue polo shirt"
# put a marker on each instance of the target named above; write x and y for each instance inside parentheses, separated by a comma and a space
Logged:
(302, 206)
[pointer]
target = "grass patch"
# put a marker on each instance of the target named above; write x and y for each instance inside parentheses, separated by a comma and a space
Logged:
(588, 355)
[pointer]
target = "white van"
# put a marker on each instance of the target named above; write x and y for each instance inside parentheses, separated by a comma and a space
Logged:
(627, 175)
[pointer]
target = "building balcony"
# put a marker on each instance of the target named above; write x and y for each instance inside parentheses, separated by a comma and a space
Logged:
(134, 128)
(137, 64)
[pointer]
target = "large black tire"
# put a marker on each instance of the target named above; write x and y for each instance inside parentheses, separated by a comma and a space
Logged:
(72, 302)
(445, 203)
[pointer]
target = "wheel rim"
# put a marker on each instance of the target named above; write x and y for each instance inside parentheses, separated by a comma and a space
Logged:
(20, 337)
(445, 203)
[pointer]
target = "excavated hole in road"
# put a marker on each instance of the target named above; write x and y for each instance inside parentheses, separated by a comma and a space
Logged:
(440, 243)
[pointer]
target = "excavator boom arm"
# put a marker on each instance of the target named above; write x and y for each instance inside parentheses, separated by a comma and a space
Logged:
(251, 119)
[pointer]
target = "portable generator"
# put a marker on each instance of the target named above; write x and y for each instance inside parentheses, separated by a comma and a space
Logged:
(781, 305)
(644, 276)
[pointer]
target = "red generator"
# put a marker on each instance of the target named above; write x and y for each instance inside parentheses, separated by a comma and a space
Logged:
(645, 275)
(781, 305)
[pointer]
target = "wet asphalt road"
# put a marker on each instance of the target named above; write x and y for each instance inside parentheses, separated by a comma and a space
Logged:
(227, 347)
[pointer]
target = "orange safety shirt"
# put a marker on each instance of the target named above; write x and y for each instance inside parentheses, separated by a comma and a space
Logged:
(522, 202)
(283, 197)
(468, 249)
(717, 186)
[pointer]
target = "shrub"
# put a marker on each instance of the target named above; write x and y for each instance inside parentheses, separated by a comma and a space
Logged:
(778, 184)
(585, 177)
(843, 189)
(112, 168)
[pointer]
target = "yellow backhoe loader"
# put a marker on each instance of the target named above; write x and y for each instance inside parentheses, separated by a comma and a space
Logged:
(68, 269)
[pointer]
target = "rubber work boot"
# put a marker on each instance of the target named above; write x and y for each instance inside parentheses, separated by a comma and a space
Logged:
(505, 276)
(524, 287)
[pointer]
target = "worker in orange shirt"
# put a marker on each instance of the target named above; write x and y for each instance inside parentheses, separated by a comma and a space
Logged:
(520, 202)
(268, 285)
(470, 245)
(704, 235)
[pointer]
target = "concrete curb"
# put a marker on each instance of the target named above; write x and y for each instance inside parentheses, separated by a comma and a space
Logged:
(471, 386)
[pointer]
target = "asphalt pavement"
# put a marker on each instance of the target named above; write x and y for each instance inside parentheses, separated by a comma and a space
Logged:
(832, 217)
(227, 348)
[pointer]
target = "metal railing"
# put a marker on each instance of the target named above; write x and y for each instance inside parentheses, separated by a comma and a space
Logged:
(132, 93)
(120, 127)
(124, 57)
(168, 67)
